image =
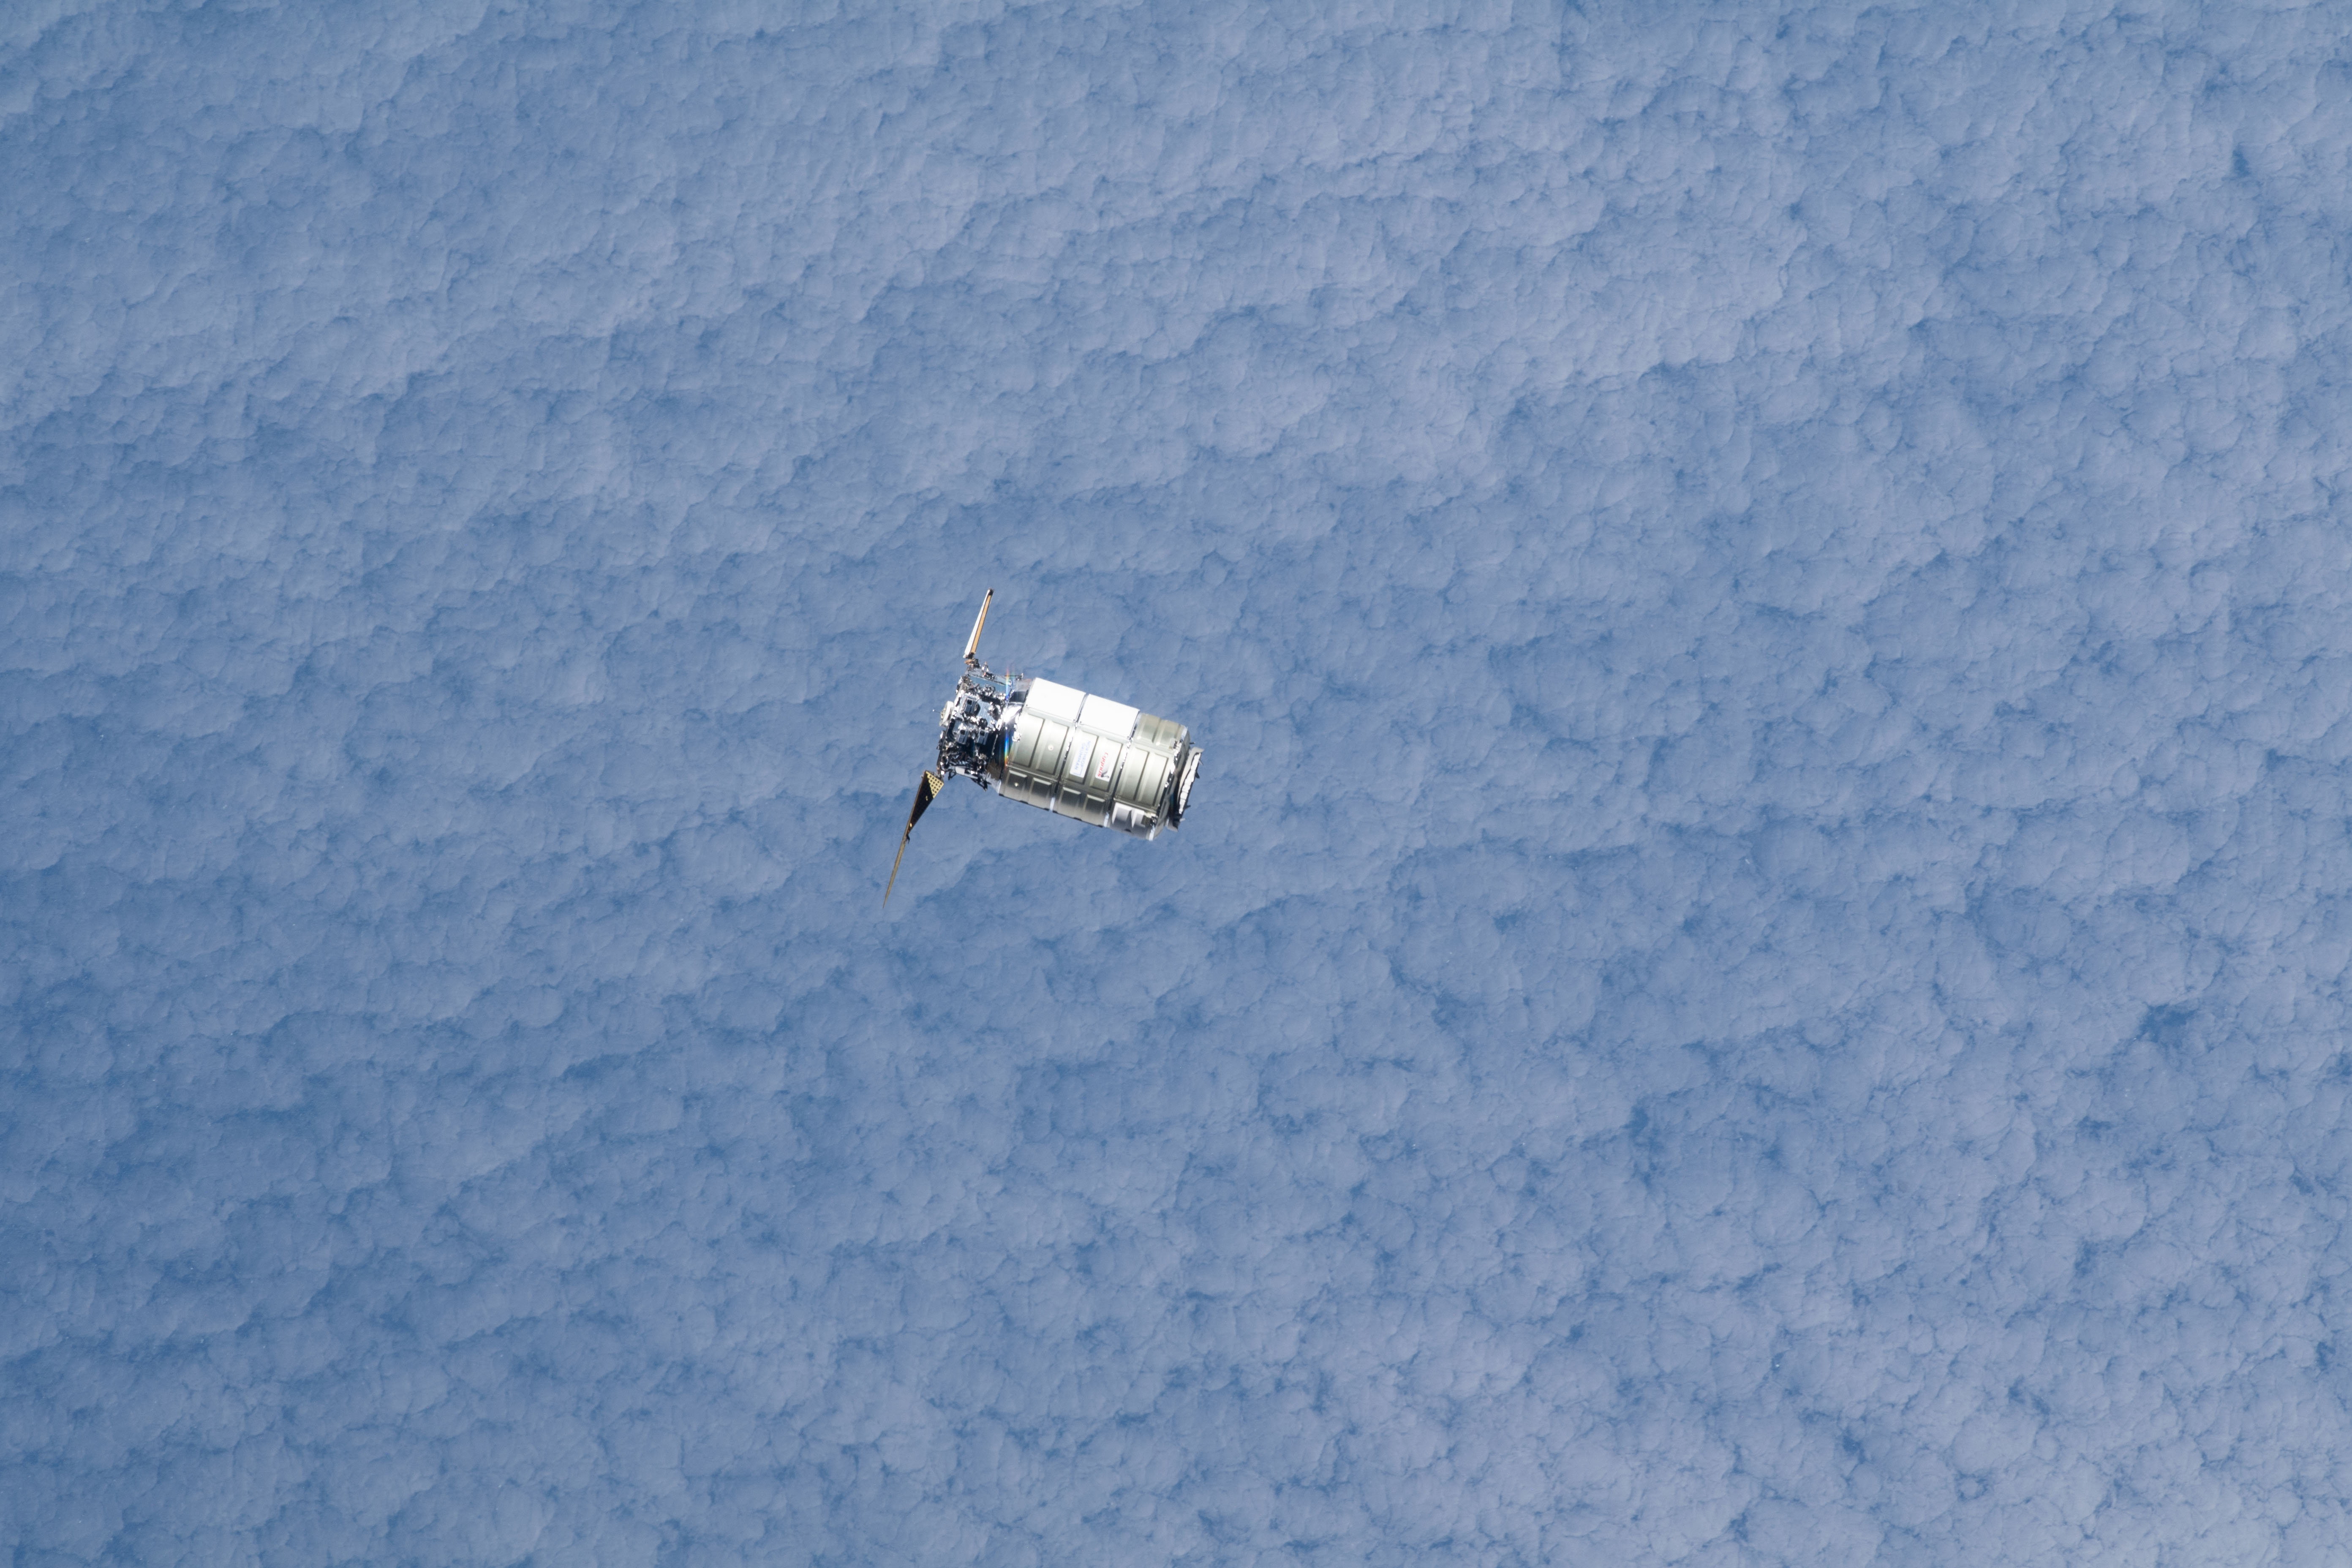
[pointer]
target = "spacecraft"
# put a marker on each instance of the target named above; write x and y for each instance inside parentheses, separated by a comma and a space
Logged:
(1058, 749)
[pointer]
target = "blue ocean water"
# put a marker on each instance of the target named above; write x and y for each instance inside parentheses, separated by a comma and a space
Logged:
(1756, 975)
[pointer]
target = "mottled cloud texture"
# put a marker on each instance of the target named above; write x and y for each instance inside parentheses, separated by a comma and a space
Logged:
(1756, 975)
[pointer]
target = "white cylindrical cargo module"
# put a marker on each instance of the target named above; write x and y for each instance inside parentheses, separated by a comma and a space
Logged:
(1069, 753)
(1098, 761)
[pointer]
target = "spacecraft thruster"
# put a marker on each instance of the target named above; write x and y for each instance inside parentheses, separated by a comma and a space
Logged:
(1059, 749)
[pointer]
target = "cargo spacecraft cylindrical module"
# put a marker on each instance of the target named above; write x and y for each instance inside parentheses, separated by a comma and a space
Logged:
(1059, 749)
(1068, 752)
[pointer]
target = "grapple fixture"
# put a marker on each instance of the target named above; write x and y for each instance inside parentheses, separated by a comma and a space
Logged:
(1057, 748)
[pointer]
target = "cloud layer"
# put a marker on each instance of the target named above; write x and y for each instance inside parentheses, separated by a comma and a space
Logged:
(1756, 975)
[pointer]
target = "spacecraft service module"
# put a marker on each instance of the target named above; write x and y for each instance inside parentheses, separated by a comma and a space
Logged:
(1057, 748)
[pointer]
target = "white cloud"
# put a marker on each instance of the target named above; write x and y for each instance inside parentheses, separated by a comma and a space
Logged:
(1754, 969)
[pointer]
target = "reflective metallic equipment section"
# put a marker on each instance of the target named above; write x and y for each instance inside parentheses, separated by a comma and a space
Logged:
(975, 725)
